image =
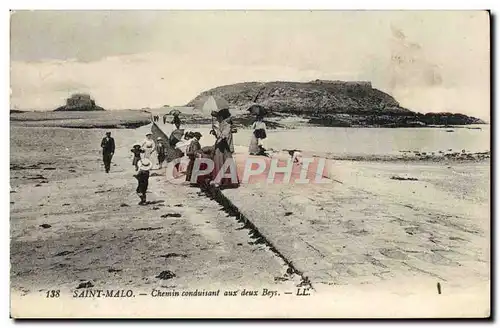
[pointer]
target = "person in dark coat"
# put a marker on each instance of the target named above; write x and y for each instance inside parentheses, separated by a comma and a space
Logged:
(160, 151)
(143, 179)
(177, 122)
(108, 150)
(224, 147)
(137, 151)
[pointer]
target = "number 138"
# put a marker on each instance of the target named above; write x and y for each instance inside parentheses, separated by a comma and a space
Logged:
(53, 293)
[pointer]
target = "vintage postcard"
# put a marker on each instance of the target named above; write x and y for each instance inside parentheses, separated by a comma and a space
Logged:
(250, 164)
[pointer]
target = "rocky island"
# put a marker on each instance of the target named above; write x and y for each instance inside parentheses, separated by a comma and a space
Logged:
(331, 103)
(79, 102)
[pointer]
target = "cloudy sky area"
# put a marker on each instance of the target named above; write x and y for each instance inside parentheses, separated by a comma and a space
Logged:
(429, 61)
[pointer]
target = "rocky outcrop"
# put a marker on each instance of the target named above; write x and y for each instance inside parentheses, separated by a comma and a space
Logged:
(79, 102)
(393, 120)
(314, 97)
(330, 103)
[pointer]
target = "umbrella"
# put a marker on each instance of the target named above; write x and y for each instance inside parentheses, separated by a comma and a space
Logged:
(174, 112)
(214, 103)
(257, 110)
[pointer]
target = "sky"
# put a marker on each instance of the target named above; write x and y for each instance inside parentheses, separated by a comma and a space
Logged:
(429, 61)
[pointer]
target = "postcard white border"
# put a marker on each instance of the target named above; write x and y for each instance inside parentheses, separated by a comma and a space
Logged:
(183, 4)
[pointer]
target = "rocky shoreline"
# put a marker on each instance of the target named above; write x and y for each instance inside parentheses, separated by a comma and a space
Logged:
(284, 121)
(414, 120)
(330, 103)
(414, 156)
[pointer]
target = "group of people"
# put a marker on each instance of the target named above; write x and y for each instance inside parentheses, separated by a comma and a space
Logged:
(167, 150)
(142, 159)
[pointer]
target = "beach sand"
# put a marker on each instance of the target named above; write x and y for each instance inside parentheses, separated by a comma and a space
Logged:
(366, 227)
(97, 231)
(358, 232)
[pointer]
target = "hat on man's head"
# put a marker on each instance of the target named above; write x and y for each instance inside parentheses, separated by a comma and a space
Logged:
(108, 133)
(149, 134)
(196, 135)
(159, 138)
(145, 164)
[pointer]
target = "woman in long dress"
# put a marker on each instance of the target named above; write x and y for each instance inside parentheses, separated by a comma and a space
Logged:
(183, 145)
(224, 147)
(258, 134)
(193, 151)
(148, 146)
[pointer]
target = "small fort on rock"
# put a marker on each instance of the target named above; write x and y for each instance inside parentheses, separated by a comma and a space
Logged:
(79, 102)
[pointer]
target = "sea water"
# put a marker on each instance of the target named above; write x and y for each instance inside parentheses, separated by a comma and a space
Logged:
(369, 141)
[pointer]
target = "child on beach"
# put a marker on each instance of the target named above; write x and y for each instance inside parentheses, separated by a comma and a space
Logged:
(137, 151)
(143, 179)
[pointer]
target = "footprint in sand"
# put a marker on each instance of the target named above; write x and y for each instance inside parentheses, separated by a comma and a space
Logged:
(435, 258)
(393, 253)
(86, 284)
(148, 229)
(63, 253)
(412, 230)
(170, 255)
(171, 215)
(361, 232)
(164, 275)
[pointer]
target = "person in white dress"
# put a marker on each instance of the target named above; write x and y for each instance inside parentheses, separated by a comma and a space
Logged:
(148, 146)
(184, 144)
(258, 137)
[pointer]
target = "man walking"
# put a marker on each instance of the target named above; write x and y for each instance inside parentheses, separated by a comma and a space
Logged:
(108, 149)
(177, 122)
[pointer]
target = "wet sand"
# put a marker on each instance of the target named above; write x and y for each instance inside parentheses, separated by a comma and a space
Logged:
(366, 235)
(366, 227)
